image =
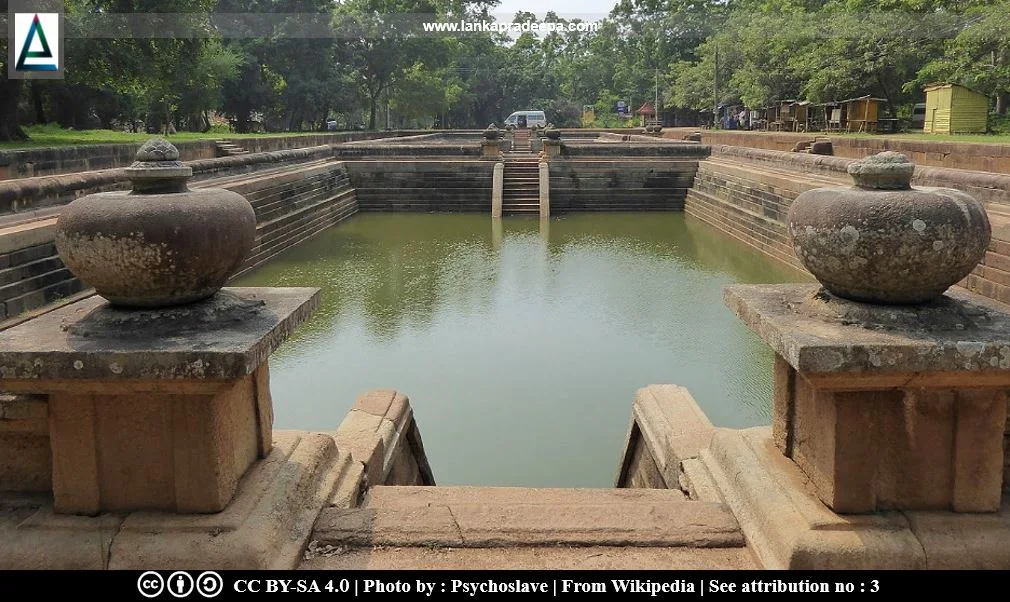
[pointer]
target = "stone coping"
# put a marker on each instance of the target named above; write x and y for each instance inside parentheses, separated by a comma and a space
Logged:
(224, 337)
(818, 333)
(29, 194)
(985, 185)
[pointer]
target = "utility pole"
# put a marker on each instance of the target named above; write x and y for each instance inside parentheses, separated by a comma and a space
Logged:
(715, 91)
(656, 106)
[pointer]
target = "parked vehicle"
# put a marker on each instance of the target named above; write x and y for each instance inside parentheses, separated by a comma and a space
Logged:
(526, 119)
(919, 116)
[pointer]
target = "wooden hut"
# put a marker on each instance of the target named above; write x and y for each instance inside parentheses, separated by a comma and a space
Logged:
(647, 113)
(954, 109)
(770, 116)
(862, 114)
(787, 115)
(831, 116)
(802, 116)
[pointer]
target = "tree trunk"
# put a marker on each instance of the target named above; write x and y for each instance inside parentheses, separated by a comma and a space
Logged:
(40, 109)
(372, 107)
(886, 91)
(1001, 102)
(10, 92)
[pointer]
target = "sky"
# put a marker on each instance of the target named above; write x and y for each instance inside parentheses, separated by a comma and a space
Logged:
(587, 9)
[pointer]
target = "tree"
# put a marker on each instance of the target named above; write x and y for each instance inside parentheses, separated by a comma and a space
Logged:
(978, 56)
(10, 94)
(380, 48)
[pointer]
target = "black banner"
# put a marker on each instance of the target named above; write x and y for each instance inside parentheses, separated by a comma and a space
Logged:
(473, 585)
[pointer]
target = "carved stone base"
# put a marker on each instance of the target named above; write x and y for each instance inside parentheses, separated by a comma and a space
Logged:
(788, 527)
(266, 525)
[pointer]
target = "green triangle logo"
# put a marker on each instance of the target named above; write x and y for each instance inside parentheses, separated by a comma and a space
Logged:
(45, 53)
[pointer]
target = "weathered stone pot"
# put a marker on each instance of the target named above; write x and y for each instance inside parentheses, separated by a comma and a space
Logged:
(882, 241)
(552, 134)
(160, 244)
(492, 133)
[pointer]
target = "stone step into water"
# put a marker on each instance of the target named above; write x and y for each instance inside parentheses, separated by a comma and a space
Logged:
(502, 517)
(324, 557)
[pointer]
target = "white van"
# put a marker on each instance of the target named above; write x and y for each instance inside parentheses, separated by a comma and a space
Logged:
(533, 119)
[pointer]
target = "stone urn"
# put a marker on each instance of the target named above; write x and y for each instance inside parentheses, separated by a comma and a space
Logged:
(552, 133)
(882, 241)
(160, 244)
(492, 133)
(654, 129)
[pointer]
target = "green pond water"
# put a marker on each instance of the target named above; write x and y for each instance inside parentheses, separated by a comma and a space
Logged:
(520, 343)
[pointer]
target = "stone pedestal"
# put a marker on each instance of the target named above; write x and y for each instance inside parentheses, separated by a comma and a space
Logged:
(887, 407)
(490, 150)
(159, 409)
(552, 149)
(159, 422)
(886, 446)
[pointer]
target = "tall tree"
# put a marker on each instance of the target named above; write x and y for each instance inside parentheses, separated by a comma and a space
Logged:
(10, 95)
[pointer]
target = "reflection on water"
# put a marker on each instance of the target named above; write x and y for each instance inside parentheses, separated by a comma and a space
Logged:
(520, 343)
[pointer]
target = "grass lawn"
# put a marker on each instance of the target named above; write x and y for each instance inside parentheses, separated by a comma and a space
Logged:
(50, 135)
(1002, 138)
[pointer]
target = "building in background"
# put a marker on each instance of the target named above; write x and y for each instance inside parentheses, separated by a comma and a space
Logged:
(954, 109)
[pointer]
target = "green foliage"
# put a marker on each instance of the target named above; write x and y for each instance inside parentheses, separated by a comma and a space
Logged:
(695, 53)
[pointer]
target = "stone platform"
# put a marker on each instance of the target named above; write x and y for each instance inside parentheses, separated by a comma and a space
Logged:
(526, 528)
(788, 527)
(265, 526)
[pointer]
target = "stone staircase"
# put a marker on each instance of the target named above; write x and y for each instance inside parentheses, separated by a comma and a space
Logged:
(227, 148)
(412, 527)
(294, 205)
(521, 142)
(31, 277)
(750, 202)
(521, 186)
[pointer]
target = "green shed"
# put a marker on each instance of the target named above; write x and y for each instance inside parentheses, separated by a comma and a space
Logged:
(954, 109)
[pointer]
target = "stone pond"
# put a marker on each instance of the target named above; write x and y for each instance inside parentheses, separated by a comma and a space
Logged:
(520, 346)
(521, 343)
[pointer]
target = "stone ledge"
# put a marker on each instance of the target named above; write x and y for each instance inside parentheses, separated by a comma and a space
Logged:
(786, 526)
(44, 349)
(964, 541)
(668, 421)
(377, 430)
(407, 497)
(483, 525)
(529, 558)
(959, 335)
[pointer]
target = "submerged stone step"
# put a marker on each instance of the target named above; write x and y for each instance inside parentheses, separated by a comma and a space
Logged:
(528, 558)
(27, 285)
(29, 269)
(488, 525)
(495, 517)
(39, 297)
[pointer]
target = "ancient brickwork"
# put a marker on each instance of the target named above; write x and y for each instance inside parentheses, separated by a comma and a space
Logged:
(71, 159)
(292, 205)
(937, 153)
(620, 185)
(422, 185)
(747, 192)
